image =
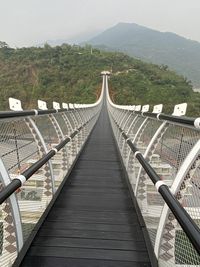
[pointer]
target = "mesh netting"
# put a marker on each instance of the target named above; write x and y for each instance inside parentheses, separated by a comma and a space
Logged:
(23, 142)
(132, 165)
(18, 151)
(52, 137)
(167, 154)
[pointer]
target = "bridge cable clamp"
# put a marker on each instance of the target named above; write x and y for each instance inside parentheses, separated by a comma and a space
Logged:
(197, 123)
(36, 112)
(128, 139)
(67, 136)
(158, 184)
(136, 153)
(22, 179)
(55, 149)
(157, 116)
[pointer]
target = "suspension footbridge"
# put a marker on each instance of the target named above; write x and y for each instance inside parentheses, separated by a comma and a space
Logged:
(99, 185)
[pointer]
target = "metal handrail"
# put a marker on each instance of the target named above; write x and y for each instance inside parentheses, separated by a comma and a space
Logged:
(22, 113)
(173, 224)
(187, 223)
(24, 176)
(35, 112)
(189, 121)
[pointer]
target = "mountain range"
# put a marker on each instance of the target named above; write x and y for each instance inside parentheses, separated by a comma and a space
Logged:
(164, 48)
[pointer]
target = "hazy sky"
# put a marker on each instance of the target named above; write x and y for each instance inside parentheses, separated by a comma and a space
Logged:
(28, 22)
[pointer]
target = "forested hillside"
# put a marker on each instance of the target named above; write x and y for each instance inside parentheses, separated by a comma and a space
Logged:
(72, 74)
(179, 53)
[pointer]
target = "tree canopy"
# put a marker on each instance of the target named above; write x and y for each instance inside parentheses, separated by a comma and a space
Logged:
(72, 74)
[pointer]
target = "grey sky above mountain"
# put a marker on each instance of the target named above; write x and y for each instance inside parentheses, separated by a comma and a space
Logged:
(29, 22)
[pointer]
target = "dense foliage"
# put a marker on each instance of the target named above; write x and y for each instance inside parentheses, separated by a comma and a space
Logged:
(153, 84)
(72, 74)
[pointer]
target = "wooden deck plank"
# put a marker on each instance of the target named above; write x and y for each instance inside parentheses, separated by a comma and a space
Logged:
(90, 253)
(71, 262)
(76, 233)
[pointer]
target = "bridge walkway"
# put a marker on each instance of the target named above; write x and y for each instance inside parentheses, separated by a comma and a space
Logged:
(93, 221)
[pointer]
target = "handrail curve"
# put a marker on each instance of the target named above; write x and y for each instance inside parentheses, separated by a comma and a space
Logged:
(153, 150)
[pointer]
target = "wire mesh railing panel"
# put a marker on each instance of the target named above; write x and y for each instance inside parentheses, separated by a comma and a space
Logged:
(161, 154)
(72, 124)
(47, 130)
(128, 121)
(166, 157)
(149, 200)
(51, 136)
(136, 125)
(62, 123)
(18, 151)
(166, 146)
(33, 198)
(176, 143)
(8, 240)
(147, 134)
(131, 163)
(72, 120)
(151, 204)
(17, 145)
(175, 247)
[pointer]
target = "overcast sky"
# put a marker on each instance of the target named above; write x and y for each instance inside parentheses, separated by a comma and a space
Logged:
(29, 22)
